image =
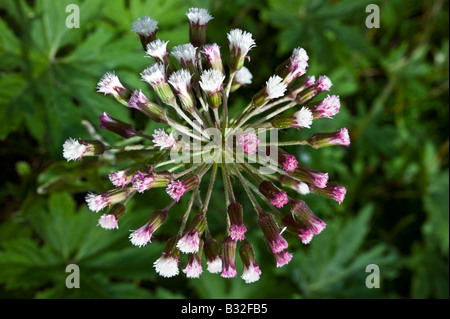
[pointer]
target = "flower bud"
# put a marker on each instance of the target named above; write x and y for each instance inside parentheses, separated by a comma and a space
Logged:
(211, 82)
(212, 54)
(251, 268)
(213, 260)
(282, 258)
(333, 191)
(277, 197)
(340, 137)
(181, 82)
(110, 84)
(152, 110)
(293, 67)
(110, 220)
(310, 176)
(228, 258)
(143, 235)
(240, 42)
(271, 233)
(124, 177)
(76, 149)
(178, 188)
(146, 28)
(158, 51)
(305, 216)
(298, 186)
(143, 181)
(121, 128)
(241, 78)
(198, 21)
(155, 75)
(237, 228)
(194, 266)
(97, 202)
(274, 88)
(190, 242)
(299, 119)
(167, 265)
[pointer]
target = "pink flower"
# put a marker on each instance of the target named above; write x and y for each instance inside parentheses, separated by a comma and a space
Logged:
(323, 83)
(142, 236)
(193, 268)
(277, 197)
(271, 233)
(248, 142)
(282, 258)
(328, 107)
(108, 221)
(290, 163)
(251, 273)
(280, 199)
(176, 189)
(142, 182)
(189, 243)
(163, 140)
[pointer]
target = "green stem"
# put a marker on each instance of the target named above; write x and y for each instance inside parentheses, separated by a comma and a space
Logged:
(209, 191)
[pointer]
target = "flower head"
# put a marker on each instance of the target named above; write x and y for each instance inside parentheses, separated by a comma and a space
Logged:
(190, 242)
(157, 49)
(248, 142)
(73, 150)
(108, 221)
(163, 140)
(184, 53)
(206, 135)
(243, 76)
(240, 42)
(212, 54)
(251, 271)
(328, 107)
(167, 265)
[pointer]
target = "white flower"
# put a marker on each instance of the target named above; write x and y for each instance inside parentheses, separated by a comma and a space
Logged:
(119, 179)
(215, 266)
(144, 26)
(302, 188)
(157, 49)
(193, 269)
(96, 202)
(166, 266)
(154, 74)
(180, 81)
(211, 81)
(198, 16)
(241, 41)
(324, 83)
(163, 140)
(108, 83)
(184, 52)
(73, 150)
(275, 87)
(243, 76)
(189, 243)
(108, 221)
(303, 118)
(141, 236)
(251, 274)
(300, 58)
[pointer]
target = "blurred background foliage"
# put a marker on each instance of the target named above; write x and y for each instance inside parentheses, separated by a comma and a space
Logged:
(394, 88)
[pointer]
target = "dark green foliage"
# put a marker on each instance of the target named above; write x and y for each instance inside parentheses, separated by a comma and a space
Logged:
(394, 88)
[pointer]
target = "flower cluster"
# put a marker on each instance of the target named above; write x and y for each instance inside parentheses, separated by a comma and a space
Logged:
(193, 85)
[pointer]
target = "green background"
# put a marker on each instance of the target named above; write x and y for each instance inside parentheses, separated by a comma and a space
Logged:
(394, 89)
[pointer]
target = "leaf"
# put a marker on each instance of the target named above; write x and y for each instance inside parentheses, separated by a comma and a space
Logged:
(337, 258)
(436, 204)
